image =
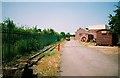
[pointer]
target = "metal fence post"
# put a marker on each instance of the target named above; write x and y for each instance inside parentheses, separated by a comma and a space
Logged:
(9, 43)
(59, 48)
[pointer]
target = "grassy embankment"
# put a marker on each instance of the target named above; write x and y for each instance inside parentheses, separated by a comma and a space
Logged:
(50, 64)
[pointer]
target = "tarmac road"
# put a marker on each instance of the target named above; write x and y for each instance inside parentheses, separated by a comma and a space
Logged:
(77, 60)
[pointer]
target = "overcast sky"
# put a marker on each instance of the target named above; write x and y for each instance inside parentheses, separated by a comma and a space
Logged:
(60, 16)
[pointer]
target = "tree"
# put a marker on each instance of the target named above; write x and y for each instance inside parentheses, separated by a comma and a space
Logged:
(68, 35)
(9, 24)
(52, 31)
(114, 23)
(39, 30)
(45, 31)
(63, 34)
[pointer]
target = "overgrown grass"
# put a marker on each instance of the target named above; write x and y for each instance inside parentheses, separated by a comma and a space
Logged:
(49, 65)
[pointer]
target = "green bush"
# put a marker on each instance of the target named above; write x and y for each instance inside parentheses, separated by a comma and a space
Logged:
(18, 41)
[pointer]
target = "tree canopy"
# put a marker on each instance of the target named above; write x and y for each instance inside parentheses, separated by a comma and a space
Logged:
(63, 34)
(68, 35)
(114, 21)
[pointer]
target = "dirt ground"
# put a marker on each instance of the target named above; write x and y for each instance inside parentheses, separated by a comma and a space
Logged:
(106, 49)
(103, 49)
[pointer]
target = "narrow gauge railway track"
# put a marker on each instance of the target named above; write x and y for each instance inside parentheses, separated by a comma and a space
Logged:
(23, 69)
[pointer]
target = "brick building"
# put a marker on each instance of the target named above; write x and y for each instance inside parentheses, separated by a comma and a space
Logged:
(88, 34)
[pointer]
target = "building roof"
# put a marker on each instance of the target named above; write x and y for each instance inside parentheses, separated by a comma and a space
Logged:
(104, 30)
(92, 27)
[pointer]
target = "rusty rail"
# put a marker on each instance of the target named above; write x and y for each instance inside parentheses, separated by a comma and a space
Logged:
(41, 51)
(25, 65)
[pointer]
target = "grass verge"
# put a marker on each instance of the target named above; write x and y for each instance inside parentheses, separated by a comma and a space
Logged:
(49, 65)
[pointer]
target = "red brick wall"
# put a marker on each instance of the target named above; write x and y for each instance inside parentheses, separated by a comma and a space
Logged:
(81, 33)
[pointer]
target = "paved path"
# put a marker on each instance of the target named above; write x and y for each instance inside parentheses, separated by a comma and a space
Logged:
(77, 60)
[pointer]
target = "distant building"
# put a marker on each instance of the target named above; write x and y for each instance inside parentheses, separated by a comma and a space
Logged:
(90, 33)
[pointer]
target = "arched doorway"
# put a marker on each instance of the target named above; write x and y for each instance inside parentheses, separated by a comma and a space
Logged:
(83, 39)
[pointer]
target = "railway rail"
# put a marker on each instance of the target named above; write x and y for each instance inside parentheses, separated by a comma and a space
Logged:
(24, 67)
